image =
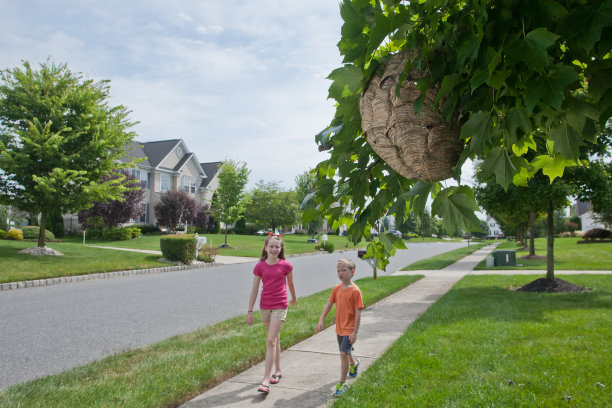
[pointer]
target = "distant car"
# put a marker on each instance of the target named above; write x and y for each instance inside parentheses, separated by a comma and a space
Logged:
(395, 232)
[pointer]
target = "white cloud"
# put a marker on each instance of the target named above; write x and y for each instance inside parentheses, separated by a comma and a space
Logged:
(239, 80)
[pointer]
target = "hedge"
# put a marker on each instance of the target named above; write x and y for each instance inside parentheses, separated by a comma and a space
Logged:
(32, 232)
(178, 247)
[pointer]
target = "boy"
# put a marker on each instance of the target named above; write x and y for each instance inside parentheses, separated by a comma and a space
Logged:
(347, 297)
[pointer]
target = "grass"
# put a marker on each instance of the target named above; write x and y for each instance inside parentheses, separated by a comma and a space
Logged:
(175, 370)
(484, 345)
(82, 259)
(443, 260)
(569, 255)
(240, 245)
(77, 260)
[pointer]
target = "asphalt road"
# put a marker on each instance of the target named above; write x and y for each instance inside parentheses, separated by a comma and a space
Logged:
(50, 329)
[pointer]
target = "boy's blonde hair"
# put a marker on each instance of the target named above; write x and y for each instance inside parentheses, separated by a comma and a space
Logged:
(348, 263)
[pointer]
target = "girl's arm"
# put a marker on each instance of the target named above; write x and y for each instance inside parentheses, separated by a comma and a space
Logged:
(291, 288)
(252, 298)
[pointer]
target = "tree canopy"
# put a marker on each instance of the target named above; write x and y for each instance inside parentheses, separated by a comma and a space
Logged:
(121, 211)
(59, 138)
(268, 206)
(228, 198)
(497, 70)
(176, 207)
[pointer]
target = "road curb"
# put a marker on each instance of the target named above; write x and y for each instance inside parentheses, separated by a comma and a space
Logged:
(102, 275)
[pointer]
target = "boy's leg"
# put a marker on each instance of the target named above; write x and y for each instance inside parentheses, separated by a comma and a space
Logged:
(344, 365)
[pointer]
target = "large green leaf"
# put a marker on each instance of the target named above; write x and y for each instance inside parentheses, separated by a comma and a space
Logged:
(567, 140)
(456, 206)
(498, 162)
(347, 81)
(532, 50)
(552, 167)
(478, 129)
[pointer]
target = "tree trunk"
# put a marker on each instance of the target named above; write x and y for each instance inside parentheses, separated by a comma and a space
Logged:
(550, 242)
(532, 218)
(41, 235)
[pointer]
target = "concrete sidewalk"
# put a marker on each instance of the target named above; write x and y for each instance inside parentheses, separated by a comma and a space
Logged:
(311, 368)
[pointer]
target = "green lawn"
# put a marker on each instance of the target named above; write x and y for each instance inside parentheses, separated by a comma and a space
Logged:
(173, 371)
(77, 260)
(486, 345)
(445, 259)
(82, 259)
(569, 255)
(240, 245)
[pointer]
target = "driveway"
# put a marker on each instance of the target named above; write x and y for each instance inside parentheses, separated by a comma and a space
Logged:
(46, 330)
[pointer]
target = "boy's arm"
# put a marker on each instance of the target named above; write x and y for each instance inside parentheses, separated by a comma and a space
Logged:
(353, 335)
(326, 310)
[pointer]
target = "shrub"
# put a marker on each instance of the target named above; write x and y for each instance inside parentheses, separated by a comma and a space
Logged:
(32, 232)
(207, 254)
(149, 229)
(318, 246)
(178, 247)
(2, 234)
(120, 234)
(14, 234)
(412, 235)
(328, 246)
(597, 233)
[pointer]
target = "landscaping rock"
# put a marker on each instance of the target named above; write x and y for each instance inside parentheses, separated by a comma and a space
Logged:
(41, 251)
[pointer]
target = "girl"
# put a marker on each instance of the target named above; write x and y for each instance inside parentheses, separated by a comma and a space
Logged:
(276, 274)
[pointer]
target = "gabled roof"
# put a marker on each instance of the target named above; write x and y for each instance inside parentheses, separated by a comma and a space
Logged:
(135, 151)
(157, 151)
(582, 207)
(211, 170)
(185, 159)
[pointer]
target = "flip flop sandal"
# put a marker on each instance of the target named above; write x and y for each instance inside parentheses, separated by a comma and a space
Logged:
(264, 389)
(275, 379)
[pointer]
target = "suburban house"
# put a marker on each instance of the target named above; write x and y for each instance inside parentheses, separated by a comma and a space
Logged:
(584, 210)
(165, 165)
(495, 230)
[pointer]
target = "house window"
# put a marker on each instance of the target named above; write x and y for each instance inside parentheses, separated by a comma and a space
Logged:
(164, 182)
(144, 218)
(190, 184)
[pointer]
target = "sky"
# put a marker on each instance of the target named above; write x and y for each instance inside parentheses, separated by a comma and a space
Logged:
(239, 80)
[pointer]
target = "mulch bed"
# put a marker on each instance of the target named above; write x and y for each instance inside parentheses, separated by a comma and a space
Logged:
(552, 286)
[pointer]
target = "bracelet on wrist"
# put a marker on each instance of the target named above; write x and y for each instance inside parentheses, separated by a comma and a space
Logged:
(250, 311)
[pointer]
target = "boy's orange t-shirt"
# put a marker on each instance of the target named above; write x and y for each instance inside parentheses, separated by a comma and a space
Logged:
(346, 300)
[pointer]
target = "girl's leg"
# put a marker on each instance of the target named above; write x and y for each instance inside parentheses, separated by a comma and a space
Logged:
(277, 353)
(272, 348)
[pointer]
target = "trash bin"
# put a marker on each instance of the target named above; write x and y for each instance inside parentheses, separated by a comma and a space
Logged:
(504, 257)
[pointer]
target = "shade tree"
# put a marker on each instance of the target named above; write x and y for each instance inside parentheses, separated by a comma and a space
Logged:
(59, 138)
(493, 73)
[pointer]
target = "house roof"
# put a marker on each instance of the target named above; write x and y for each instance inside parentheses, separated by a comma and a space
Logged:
(211, 170)
(582, 207)
(157, 151)
(135, 151)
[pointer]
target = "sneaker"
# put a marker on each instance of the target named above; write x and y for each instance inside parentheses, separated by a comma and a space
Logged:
(354, 369)
(340, 388)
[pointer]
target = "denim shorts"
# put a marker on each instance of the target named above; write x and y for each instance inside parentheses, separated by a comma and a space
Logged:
(273, 314)
(345, 344)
